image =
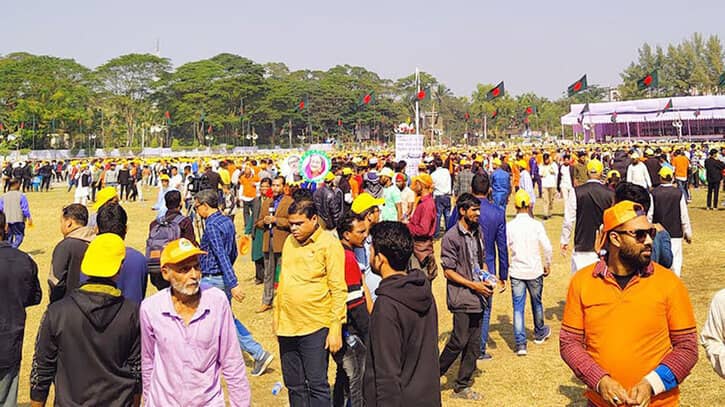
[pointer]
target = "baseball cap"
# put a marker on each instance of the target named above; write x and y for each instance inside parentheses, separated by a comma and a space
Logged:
(521, 163)
(622, 212)
(399, 177)
(371, 176)
(364, 202)
(387, 172)
(104, 256)
(164, 177)
(424, 179)
(613, 173)
(373, 161)
(522, 199)
(347, 171)
(178, 251)
(103, 196)
(666, 172)
(497, 162)
(595, 167)
(329, 177)
(464, 163)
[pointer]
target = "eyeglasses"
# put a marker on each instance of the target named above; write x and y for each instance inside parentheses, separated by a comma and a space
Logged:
(639, 234)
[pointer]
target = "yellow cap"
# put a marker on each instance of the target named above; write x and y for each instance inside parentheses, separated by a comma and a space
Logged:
(613, 173)
(522, 199)
(387, 172)
(666, 172)
(178, 251)
(164, 177)
(104, 256)
(496, 162)
(424, 179)
(330, 177)
(595, 167)
(103, 196)
(464, 162)
(522, 163)
(364, 202)
(347, 171)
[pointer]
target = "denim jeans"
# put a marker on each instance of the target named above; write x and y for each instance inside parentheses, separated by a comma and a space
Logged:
(443, 210)
(485, 324)
(518, 293)
(349, 377)
(683, 187)
(9, 386)
(16, 233)
(246, 340)
(304, 369)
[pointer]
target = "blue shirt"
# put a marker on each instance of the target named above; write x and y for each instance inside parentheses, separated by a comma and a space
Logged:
(493, 223)
(219, 241)
(500, 182)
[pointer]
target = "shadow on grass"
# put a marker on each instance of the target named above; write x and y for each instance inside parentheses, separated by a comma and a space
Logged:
(36, 252)
(574, 393)
(452, 374)
(556, 311)
(505, 328)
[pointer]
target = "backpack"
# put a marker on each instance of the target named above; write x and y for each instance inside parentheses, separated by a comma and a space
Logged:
(161, 234)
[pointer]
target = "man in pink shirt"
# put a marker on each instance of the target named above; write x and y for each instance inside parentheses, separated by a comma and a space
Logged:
(188, 338)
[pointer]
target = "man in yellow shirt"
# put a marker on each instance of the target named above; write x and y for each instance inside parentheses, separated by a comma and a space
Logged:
(310, 306)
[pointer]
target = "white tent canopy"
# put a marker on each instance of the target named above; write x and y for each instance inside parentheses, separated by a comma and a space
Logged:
(648, 110)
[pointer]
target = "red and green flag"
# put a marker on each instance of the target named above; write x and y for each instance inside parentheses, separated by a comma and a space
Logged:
(167, 115)
(467, 116)
(577, 86)
(22, 125)
(697, 113)
(210, 129)
(423, 94)
(301, 104)
(367, 99)
(494, 114)
(339, 122)
(496, 92)
(530, 110)
(613, 118)
(649, 81)
(667, 107)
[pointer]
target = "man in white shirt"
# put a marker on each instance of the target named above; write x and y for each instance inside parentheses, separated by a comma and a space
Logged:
(565, 186)
(549, 172)
(441, 193)
(407, 197)
(712, 336)
(177, 180)
(527, 268)
(637, 173)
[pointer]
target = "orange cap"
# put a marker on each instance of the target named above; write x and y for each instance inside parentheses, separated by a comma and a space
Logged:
(621, 213)
(178, 251)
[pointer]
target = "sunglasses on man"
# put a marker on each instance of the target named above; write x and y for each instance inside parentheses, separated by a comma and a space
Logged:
(639, 234)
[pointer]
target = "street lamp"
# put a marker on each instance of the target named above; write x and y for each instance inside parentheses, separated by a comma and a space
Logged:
(209, 140)
(302, 138)
(253, 138)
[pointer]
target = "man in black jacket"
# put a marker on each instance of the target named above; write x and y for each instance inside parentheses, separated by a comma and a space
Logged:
(97, 358)
(328, 200)
(713, 172)
(19, 288)
(402, 361)
(65, 270)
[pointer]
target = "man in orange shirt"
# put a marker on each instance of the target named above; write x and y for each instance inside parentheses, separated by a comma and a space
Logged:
(628, 330)
(681, 164)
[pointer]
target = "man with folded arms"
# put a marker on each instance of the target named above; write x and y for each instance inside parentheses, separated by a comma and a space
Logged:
(188, 336)
(628, 330)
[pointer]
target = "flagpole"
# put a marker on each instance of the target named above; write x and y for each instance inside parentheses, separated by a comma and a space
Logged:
(417, 105)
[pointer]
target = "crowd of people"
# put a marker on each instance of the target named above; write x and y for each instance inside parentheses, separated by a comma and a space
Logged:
(346, 267)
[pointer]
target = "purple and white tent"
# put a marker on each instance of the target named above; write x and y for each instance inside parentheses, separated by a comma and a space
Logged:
(689, 117)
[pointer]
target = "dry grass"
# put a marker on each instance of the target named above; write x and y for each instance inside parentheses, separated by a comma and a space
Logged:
(539, 379)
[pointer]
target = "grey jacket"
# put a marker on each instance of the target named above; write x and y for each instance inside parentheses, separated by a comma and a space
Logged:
(455, 255)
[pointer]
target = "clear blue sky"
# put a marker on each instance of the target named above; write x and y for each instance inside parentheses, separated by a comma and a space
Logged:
(539, 46)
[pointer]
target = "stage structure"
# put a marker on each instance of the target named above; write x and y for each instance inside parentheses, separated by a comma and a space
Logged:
(682, 118)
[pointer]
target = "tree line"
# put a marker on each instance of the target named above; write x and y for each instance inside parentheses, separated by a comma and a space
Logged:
(51, 102)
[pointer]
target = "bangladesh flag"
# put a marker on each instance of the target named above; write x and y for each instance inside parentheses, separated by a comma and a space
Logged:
(667, 107)
(301, 104)
(697, 113)
(466, 116)
(167, 115)
(494, 114)
(22, 125)
(577, 86)
(423, 94)
(530, 110)
(581, 114)
(496, 92)
(649, 81)
(367, 99)
(339, 122)
(721, 83)
(613, 118)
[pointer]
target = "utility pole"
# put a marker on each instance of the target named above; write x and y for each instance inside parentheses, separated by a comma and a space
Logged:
(417, 104)
(290, 133)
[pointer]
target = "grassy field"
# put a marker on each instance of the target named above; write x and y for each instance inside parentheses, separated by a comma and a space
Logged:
(539, 379)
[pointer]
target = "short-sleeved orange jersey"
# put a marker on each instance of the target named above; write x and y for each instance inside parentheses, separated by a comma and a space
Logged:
(627, 332)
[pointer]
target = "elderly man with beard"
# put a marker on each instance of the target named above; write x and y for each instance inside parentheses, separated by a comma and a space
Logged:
(628, 330)
(188, 336)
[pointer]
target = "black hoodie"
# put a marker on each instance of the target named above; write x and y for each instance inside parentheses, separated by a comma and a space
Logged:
(89, 344)
(402, 362)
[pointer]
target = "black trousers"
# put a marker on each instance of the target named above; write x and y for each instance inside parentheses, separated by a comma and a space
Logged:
(304, 369)
(259, 270)
(465, 340)
(713, 190)
(45, 183)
